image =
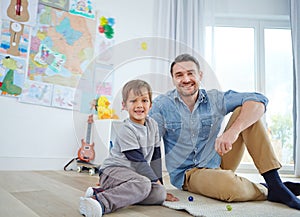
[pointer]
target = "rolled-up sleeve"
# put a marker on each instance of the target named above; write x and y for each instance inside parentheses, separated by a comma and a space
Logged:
(233, 99)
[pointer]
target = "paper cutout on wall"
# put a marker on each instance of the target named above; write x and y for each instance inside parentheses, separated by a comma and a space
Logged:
(103, 43)
(7, 39)
(22, 11)
(106, 26)
(68, 41)
(18, 10)
(46, 56)
(63, 97)
(104, 88)
(60, 4)
(83, 8)
(16, 31)
(35, 92)
(12, 75)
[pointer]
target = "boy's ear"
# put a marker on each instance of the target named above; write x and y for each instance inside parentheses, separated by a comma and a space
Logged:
(123, 105)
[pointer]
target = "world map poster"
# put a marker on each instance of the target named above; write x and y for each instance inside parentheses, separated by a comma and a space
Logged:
(61, 47)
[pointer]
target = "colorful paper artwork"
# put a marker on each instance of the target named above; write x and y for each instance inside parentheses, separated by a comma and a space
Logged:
(61, 47)
(6, 40)
(83, 8)
(104, 88)
(63, 97)
(12, 75)
(35, 92)
(106, 26)
(60, 4)
(24, 11)
(104, 39)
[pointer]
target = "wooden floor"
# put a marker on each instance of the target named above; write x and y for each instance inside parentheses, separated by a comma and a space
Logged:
(56, 193)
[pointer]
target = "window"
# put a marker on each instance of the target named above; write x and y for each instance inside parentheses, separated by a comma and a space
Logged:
(256, 55)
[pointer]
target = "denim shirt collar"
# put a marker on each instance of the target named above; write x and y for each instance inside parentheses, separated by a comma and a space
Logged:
(202, 96)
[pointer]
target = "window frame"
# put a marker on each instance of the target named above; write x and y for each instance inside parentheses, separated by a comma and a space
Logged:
(259, 24)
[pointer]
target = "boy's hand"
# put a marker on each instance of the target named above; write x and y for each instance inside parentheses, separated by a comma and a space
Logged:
(171, 197)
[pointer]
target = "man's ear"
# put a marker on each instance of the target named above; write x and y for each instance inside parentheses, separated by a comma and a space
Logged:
(201, 75)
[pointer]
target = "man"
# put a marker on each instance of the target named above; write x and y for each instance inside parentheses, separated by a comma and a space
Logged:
(200, 160)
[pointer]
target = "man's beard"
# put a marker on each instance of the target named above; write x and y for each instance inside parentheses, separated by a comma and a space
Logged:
(189, 94)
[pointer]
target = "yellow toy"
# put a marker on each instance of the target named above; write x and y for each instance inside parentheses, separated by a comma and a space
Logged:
(102, 107)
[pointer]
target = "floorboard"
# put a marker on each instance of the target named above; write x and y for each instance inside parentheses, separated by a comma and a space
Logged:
(56, 193)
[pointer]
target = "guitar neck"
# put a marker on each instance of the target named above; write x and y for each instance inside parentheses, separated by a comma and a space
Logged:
(88, 133)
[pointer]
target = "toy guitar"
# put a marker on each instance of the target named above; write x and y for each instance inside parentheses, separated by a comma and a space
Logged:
(18, 10)
(86, 151)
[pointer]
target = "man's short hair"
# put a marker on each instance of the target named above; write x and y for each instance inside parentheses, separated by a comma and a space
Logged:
(184, 58)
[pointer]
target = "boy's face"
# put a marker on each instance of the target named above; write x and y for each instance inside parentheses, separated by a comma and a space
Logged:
(138, 106)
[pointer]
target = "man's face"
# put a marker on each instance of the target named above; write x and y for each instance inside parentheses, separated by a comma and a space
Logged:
(186, 78)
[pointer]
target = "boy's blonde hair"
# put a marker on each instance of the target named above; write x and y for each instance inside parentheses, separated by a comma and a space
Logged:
(136, 86)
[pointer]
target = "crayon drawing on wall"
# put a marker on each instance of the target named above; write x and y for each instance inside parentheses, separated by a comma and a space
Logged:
(83, 8)
(60, 4)
(6, 37)
(12, 75)
(63, 97)
(104, 38)
(24, 11)
(35, 92)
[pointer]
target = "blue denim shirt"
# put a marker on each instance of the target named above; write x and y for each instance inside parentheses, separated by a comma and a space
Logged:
(189, 137)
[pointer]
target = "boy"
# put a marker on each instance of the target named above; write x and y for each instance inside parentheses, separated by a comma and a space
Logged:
(131, 174)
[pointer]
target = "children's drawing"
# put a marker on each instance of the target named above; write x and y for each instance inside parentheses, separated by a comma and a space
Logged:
(46, 56)
(104, 38)
(35, 92)
(83, 8)
(106, 26)
(104, 88)
(14, 38)
(63, 97)
(17, 10)
(60, 4)
(22, 11)
(12, 76)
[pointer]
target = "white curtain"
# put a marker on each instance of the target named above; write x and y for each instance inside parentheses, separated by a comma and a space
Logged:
(182, 23)
(295, 28)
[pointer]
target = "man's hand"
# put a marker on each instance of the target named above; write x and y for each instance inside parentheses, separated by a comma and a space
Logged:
(171, 197)
(224, 142)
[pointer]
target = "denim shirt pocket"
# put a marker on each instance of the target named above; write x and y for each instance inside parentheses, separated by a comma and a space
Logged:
(205, 128)
(173, 129)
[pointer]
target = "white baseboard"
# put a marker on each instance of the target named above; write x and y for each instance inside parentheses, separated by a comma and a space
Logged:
(33, 163)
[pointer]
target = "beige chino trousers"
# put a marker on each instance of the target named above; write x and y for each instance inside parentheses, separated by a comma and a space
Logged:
(222, 183)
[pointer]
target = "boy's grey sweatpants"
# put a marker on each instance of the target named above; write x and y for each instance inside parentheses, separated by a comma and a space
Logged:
(124, 187)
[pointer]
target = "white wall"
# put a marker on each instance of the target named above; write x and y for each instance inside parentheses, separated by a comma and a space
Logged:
(44, 138)
(252, 8)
